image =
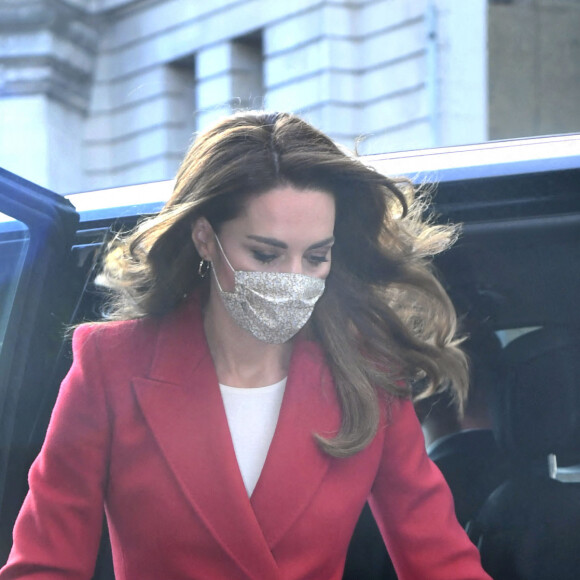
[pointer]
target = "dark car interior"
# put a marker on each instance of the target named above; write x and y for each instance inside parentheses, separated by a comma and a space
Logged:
(516, 265)
(533, 515)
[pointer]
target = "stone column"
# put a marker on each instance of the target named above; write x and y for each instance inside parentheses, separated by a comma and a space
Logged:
(47, 53)
(228, 77)
(312, 67)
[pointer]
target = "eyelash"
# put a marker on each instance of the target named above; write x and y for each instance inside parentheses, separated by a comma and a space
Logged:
(264, 258)
(317, 260)
(267, 258)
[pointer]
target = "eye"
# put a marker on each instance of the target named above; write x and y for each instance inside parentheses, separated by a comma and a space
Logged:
(263, 257)
(317, 260)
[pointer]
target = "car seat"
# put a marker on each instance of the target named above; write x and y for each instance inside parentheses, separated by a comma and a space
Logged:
(529, 527)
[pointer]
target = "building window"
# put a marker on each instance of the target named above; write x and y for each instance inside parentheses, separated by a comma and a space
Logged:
(183, 107)
(248, 72)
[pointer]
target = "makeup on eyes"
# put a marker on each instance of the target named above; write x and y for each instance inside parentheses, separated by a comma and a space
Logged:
(318, 260)
(265, 256)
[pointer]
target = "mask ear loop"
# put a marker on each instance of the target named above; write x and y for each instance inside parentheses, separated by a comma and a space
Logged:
(226, 259)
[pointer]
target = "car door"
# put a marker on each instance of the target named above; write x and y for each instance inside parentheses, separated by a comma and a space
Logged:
(37, 229)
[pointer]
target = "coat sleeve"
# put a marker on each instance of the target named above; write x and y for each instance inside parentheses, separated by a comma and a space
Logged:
(59, 526)
(413, 507)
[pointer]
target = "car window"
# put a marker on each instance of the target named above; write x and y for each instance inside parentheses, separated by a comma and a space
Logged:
(14, 242)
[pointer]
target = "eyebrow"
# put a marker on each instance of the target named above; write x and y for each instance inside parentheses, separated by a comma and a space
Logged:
(278, 244)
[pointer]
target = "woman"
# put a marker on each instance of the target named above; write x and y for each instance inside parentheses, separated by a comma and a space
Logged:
(255, 390)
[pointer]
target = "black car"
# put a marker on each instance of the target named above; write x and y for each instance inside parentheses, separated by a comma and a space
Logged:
(517, 262)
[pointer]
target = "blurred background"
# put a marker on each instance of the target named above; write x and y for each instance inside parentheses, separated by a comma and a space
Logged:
(105, 93)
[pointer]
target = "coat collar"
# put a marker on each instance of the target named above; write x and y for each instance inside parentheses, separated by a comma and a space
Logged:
(182, 405)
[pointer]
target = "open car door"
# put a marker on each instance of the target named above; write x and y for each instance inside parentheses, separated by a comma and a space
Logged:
(37, 229)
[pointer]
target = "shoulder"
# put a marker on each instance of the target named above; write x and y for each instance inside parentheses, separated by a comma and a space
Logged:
(110, 345)
(117, 334)
(396, 410)
(137, 343)
(398, 424)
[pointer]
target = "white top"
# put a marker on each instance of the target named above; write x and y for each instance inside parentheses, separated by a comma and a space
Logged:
(252, 417)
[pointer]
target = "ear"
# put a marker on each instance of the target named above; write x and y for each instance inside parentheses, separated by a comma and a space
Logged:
(203, 238)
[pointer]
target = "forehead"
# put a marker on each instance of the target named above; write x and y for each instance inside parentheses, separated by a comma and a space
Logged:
(285, 208)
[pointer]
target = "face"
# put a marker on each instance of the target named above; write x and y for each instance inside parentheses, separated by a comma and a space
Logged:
(283, 230)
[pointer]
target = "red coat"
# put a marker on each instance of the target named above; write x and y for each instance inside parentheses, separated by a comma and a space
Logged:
(139, 425)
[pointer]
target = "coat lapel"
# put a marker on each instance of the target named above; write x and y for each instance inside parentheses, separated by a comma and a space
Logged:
(295, 466)
(182, 406)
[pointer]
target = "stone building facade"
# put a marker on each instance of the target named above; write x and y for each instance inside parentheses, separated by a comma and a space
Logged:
(101, 93)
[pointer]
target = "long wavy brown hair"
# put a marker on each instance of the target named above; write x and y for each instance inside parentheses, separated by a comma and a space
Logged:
(384, 321)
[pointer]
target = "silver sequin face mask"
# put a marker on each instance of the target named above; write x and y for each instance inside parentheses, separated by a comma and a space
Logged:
(273, 306)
